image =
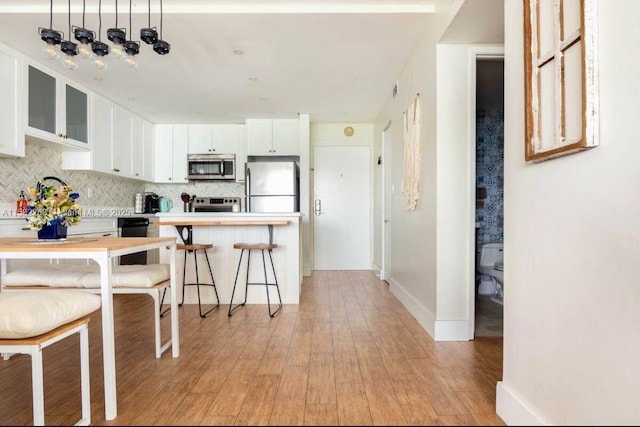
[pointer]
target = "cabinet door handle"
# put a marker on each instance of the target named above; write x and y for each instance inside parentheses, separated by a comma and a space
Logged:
(106, 235)
(116, 170)
(25, 228)
(60, 135)
(317, 208)
(169, 178)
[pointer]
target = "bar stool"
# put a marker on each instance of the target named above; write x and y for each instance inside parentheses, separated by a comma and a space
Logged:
(251, 247)
(189, 246)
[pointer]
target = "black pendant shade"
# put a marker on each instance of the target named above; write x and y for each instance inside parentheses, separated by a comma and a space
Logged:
(116, 35)
(100, 48)
(83, 35)
(50, 36)
(161, 47)
(131, 47)
(148, 35)
(68, 47)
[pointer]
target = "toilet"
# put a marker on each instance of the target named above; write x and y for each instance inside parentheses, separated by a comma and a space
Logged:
(490, 267)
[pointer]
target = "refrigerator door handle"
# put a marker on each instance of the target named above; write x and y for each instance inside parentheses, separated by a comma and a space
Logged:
(247, 188)
(317, 209)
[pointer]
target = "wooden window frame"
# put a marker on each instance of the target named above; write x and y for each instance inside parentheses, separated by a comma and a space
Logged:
(539, 145)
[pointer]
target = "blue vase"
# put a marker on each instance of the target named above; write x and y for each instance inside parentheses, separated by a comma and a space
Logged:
(52, 232)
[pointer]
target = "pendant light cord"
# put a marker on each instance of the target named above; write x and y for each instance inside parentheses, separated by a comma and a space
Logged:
(51, 15)
(116, 13)
(83, 8)
(161, 20)
(99, 20)
(149, 13)
(130, 27)
(69, 19)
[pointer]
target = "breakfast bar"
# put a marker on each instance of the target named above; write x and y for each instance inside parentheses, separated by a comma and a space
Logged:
(223, 230)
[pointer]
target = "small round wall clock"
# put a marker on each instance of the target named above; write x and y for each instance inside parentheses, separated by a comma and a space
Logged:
(348, 131)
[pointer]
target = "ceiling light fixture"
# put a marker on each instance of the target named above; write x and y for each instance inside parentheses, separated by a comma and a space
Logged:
(50, 36)
(131, 48)
(117, 36)
(161, 47)
(85, 37)
(69, 48)
(99, 48)
(149, 35)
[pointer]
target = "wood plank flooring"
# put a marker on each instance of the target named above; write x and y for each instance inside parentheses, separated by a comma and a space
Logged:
(348, 354)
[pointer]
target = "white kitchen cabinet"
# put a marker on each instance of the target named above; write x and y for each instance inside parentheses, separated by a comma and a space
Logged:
(57, 109)
(103, 119)
(171, 145)
(11, 133)
(122, 143)
(272, 137)
(214, 139)
(137, 147)
(148, 156)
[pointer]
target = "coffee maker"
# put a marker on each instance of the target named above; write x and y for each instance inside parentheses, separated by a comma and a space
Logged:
(151, 203)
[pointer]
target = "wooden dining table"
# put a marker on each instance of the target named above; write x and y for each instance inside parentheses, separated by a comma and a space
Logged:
(103, 251)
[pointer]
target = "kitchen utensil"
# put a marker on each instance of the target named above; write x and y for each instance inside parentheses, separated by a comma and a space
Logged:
(193, 197)
(139, 203)
(185, 200)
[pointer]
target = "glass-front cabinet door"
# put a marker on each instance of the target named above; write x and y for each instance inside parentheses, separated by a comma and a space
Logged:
(57, 110)
(42, 101)
(76, 107)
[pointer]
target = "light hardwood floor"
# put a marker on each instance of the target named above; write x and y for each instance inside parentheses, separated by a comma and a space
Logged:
(348, 354)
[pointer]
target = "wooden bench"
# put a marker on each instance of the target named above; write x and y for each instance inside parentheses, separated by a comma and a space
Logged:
(31, 321)
(150, 279)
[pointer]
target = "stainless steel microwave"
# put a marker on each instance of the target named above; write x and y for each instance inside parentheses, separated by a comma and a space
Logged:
(211, 166)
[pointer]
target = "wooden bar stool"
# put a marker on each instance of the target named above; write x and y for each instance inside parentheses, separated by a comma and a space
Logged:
(186, 234)
(194, 248)
(261, 247)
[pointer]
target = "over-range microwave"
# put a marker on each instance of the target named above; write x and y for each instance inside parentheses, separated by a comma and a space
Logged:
(211, 166)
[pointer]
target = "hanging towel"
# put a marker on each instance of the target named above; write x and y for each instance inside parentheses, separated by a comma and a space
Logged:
(411, 173)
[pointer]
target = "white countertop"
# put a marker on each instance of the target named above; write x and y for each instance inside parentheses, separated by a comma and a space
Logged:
(227, 215)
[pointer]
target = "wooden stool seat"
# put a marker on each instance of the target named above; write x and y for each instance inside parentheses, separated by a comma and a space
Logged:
(259, 246)
(192, 247)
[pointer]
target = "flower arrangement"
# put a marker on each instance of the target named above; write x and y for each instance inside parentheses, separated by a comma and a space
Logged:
(52, 205)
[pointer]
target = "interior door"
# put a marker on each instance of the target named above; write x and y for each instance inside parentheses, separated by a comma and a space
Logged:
(342, 208)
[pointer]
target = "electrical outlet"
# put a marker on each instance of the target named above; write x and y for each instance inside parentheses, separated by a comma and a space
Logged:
(89, 192)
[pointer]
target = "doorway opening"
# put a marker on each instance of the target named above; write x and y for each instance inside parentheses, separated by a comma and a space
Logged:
(489, 196)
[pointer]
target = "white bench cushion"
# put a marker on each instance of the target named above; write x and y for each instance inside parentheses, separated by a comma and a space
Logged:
(87, 276)
(31, 313)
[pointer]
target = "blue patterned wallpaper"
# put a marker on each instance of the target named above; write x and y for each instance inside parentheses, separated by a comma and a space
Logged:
(490, 174)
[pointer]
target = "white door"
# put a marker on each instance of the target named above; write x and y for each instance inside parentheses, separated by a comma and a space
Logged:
(342, 208)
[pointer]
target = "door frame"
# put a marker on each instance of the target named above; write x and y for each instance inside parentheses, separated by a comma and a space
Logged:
(475, 54)
(385, 273)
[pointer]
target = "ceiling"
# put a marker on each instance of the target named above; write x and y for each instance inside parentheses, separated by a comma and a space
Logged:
(336, 60)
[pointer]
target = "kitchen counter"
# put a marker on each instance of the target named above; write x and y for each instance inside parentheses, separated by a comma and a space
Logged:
(223, 229)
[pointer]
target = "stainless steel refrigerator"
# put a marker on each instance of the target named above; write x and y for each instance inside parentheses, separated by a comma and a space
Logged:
(272, 186)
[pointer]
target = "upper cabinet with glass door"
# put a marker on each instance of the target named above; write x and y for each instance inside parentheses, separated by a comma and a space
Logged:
(57, 109)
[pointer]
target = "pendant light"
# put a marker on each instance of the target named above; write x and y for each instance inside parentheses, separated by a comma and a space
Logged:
(131, 48)
(85, 37)
(118, 36)
(161, 47)
(69, 48)
(149, 35)
(51, 37)
(99, 48)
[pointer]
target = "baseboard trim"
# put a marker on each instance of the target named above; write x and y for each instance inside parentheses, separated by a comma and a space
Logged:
(452, 330)
(513, 410)
(424, 317)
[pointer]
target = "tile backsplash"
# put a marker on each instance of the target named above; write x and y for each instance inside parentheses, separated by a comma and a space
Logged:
(40, 160)
(17, 174)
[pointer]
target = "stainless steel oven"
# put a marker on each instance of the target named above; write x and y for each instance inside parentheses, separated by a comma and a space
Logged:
(135, 226)
(211, 166)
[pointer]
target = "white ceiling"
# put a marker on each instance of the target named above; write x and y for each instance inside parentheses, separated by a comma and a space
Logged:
(337, 60)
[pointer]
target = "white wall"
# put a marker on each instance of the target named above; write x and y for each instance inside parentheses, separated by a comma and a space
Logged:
(413, 234)
(572, 243)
